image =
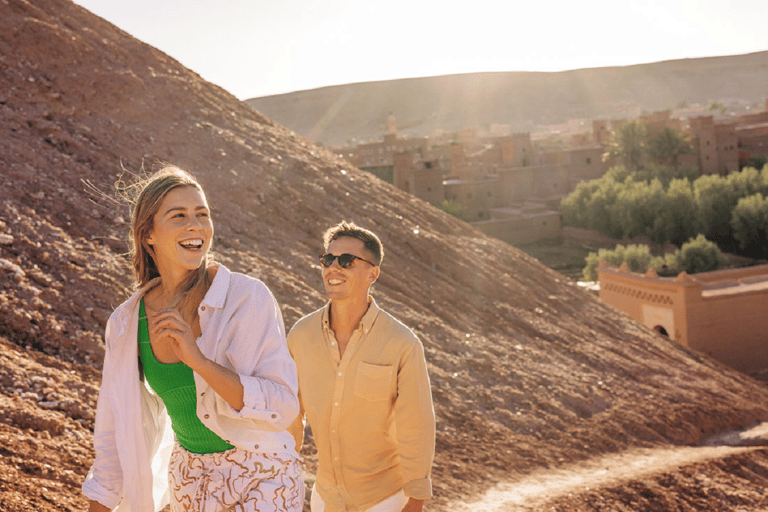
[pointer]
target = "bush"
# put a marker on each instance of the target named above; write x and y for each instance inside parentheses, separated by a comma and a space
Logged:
(697, 255)
(749, 222)
(452, 207)
(637, 257)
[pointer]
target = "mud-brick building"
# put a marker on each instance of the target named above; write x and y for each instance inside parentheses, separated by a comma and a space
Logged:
(721, 313)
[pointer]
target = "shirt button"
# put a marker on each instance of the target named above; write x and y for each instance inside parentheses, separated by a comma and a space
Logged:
(333, 343)
(202, 308)
(336, 403)
(274, 416)
(333, 431)
(207, 416)
(339, 374)
(256, 447)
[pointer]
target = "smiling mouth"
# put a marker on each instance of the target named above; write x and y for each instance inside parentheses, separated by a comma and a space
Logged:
(192, 244)
(334, 281)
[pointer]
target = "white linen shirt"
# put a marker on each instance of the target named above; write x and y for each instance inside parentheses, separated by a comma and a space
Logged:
(242, 329)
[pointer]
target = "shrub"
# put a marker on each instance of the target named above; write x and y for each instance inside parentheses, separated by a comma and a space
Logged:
(452, 207)
(697, 255)
(637, 257)
(749, 222)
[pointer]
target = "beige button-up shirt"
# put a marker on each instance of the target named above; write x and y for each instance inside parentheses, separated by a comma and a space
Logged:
(370, 411)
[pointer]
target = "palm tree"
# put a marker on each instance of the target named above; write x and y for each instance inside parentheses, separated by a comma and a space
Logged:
(668, 145)
(629, 143)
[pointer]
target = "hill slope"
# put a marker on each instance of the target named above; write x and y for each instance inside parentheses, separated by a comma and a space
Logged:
(528, 371)
(524, 100)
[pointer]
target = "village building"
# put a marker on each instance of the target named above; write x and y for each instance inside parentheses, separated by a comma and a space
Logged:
(720, 313)
(488, 177)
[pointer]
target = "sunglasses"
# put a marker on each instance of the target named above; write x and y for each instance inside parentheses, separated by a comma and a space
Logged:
(345, 260)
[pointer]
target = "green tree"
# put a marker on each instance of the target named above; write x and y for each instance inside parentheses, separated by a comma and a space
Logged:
(697, 255)
(715, 198)
(629, 144)
(749, 221)
(574, 207)
(637, 205)
(668, 145)
(758, 162)
(601, 209)
(675, 219)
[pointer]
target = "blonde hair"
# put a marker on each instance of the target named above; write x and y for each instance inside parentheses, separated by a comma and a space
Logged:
(150, 194)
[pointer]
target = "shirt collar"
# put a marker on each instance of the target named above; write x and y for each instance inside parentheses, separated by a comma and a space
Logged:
(217, 293)
(366, 322)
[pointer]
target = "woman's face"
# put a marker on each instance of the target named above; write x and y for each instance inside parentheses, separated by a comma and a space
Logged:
(182, 231)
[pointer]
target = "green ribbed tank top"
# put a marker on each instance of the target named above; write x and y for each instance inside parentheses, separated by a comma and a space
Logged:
(175, 385)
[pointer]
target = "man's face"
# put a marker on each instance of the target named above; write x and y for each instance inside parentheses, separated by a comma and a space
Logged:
(354, 281)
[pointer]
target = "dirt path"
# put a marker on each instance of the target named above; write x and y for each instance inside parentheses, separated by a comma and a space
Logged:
(533, 491)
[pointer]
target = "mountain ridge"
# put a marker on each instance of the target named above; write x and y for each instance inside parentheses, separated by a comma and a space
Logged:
(525, 100)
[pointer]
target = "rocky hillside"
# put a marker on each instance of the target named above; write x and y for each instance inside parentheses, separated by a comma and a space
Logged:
(524, 100)
(528, 371)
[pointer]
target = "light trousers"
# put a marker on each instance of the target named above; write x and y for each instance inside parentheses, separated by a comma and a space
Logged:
(394, 503)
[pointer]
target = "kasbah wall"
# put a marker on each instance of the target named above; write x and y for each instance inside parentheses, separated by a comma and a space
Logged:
(720, 313)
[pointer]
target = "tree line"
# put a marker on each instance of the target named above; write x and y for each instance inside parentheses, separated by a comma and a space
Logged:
(651, 195)
(731, 211)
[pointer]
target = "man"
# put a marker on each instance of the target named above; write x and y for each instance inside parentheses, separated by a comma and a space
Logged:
(364, 387)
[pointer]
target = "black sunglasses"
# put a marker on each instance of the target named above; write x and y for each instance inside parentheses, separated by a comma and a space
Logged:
(345, 259)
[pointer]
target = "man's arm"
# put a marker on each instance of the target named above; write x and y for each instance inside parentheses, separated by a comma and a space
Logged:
(415, 419)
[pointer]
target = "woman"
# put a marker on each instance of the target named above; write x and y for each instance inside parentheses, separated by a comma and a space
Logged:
(197, 354)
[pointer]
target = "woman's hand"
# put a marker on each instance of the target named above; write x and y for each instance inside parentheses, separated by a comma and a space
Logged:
(169, 324)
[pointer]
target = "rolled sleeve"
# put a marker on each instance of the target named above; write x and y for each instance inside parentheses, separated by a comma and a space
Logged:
(257, 352)
(93, 490)
(419, 489)
(255, 391)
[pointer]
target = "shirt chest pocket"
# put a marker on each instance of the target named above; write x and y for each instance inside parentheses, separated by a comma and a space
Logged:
(374, 381)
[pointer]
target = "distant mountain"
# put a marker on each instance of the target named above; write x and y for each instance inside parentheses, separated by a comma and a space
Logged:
(524, 100)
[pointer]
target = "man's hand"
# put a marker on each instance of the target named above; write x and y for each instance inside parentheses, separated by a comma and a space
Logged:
(95, 506)
(413, 505)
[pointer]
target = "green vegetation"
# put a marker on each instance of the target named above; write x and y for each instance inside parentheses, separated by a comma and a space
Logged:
(636, 148)
(696, 255)
(628, 143)
(667, 146)
(663, 204)
(749, 221)
(452, 207)
(637, 257)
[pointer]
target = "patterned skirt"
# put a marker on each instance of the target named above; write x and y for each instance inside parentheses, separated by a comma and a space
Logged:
(235, 480)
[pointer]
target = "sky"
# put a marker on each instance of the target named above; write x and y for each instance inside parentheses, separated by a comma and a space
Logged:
(256, 48)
